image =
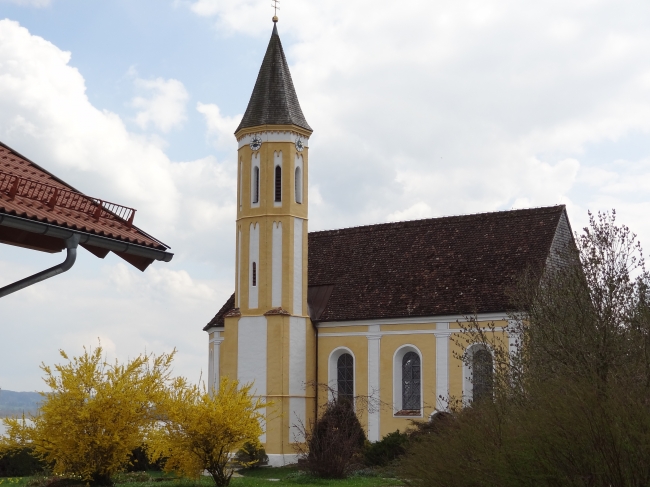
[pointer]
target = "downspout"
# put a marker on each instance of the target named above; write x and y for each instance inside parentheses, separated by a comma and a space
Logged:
(71, 244)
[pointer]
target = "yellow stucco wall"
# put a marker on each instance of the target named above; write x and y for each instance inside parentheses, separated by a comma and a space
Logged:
(398, 336)
(426, 344)
(358, 345)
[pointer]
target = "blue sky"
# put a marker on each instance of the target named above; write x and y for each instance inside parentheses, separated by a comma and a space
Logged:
(420, 109)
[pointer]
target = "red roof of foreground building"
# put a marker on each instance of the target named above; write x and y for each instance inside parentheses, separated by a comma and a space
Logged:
(36, 208)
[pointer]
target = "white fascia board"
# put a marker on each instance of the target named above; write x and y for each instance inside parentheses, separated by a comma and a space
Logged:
(437, 333)
(274, 136)
(212, 329)
(500, 316)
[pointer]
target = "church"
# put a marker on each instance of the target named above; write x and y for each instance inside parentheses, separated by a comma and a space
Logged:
(367, 311)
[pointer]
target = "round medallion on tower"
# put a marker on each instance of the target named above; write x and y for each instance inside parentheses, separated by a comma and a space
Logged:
(299, 145)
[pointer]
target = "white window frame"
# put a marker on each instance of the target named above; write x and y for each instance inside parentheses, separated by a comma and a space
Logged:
(255, 163)
(299, 181)
(277, 162)
(398, 356)
(332, 371)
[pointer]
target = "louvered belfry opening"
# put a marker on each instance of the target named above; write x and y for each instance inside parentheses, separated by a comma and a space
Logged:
(254, 274)
(278, 184)
(256, 185)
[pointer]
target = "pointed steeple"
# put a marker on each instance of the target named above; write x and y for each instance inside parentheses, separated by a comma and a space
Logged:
(274, 100)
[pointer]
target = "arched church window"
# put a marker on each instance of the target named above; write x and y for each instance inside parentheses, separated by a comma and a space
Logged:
(411, 381)
(298, 185)
(256, 185)
(482, 374)
(254, 274)
(278, 183)
(345, 376)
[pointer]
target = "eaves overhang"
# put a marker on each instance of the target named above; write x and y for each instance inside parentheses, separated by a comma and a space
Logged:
(119, 247)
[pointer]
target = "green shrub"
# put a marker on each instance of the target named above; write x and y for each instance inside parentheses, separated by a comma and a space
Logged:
(140, 461)
(388, 449)
(252, 455)
(21, 463)
(334, 443)
(570, 400)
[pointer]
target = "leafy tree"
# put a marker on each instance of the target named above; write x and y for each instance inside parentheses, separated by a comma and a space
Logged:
(95, 415)
(570, 403)
(198, 430)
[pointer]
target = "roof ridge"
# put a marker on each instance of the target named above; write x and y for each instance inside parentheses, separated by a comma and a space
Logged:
(423, 221)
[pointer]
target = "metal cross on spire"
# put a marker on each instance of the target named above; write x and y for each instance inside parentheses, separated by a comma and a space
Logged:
(275, 9)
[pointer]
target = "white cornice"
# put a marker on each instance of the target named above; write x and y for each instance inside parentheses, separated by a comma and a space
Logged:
(377, 335)
(274, 136)
(212, 329)
(416, 320)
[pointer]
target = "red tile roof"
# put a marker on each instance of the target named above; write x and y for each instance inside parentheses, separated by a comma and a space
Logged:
(43, 197)
(441, 266)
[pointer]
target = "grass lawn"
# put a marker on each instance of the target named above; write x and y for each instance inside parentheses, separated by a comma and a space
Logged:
(248, 478)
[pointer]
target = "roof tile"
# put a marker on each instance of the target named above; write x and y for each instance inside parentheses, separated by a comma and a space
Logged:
(274, 100)
(440, 266)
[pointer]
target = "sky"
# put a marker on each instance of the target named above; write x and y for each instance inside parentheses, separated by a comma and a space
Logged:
(420, 108)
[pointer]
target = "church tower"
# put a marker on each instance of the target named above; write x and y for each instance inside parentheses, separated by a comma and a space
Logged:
(268, 338)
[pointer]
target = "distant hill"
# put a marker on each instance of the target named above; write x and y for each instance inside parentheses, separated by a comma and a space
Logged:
(15, 403)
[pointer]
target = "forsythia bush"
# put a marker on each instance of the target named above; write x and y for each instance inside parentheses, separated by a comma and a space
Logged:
(95, 415)
(198, 430)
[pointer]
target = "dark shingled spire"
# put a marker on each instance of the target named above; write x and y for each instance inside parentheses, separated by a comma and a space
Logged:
(274, 100)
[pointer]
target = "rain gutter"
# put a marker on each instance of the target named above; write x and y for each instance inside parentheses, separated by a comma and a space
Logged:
(55, 231)
(71, 244)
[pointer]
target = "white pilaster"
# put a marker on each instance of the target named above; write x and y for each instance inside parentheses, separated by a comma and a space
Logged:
(215, 373)
(513, 337)
(297, 266)
(442, 365)
(238, 295)
(276, 278)
(374, 348)
(251, 355)
(297, 377)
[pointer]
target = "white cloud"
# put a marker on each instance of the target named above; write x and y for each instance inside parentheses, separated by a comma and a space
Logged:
(165, 106)
(46, 115)
(162, 282)
(463, 107)
(220, 128)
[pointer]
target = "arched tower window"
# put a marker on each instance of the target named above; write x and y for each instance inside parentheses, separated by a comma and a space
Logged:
(345, 376)
(482, 374)
(411, 381)
(278, 183)
(298, 185)
(254, 274)
(256, 184)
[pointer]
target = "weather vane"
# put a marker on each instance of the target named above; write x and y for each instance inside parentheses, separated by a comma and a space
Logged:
(275, 9)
